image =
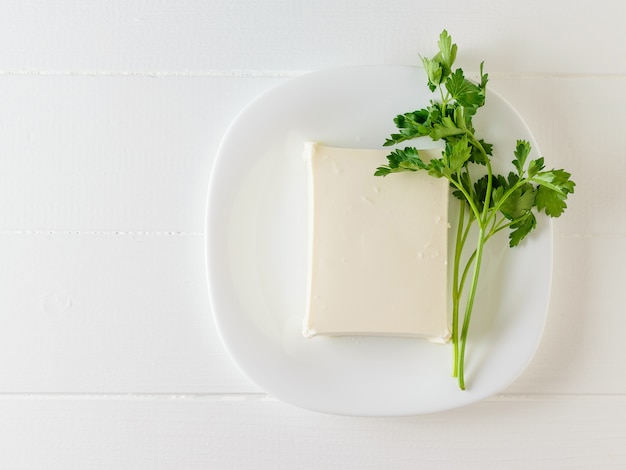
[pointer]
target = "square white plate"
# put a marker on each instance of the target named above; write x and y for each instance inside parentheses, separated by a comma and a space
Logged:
(257, 229)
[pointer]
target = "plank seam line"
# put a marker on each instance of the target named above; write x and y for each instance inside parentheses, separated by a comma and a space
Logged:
(260, 73)
(102, 232)
(504, 397)
(157, 74)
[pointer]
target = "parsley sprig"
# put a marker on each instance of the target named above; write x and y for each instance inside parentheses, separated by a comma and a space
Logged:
(491, 202)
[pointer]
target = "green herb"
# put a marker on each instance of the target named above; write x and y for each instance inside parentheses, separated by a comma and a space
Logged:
(489, 203)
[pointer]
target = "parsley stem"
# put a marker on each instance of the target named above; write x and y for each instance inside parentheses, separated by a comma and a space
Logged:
(500, 225)
(457, 288)
(467, 196)
(487, 201)
(469, 307)
(466, 270)
(458, 284)
(505, 196)
(456, 291)
(444, 103)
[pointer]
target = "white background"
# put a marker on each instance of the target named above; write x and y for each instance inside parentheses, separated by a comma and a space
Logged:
(110, 116)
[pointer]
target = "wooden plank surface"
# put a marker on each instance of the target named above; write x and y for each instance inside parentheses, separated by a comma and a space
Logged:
(110, 120)
(250, 432)
(217, 37)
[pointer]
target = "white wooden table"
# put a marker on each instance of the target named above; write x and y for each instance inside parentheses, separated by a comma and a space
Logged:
(110, 116)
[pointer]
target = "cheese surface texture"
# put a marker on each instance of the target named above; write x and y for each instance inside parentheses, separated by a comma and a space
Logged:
(377, 248)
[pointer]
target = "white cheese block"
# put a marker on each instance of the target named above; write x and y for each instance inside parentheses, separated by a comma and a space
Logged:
(378, 247)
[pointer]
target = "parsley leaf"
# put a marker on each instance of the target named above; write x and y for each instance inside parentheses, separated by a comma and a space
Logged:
(407, 159)
(554, 187)
(519, 202)
(410, 125)
(445, 128)
(522, 150)
(521, 228)
(464, 92)
(447, 52)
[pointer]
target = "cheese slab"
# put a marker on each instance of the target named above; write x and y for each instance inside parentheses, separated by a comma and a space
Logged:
(377, 247)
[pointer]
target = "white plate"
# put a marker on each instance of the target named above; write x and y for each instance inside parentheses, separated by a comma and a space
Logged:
(257, 248)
